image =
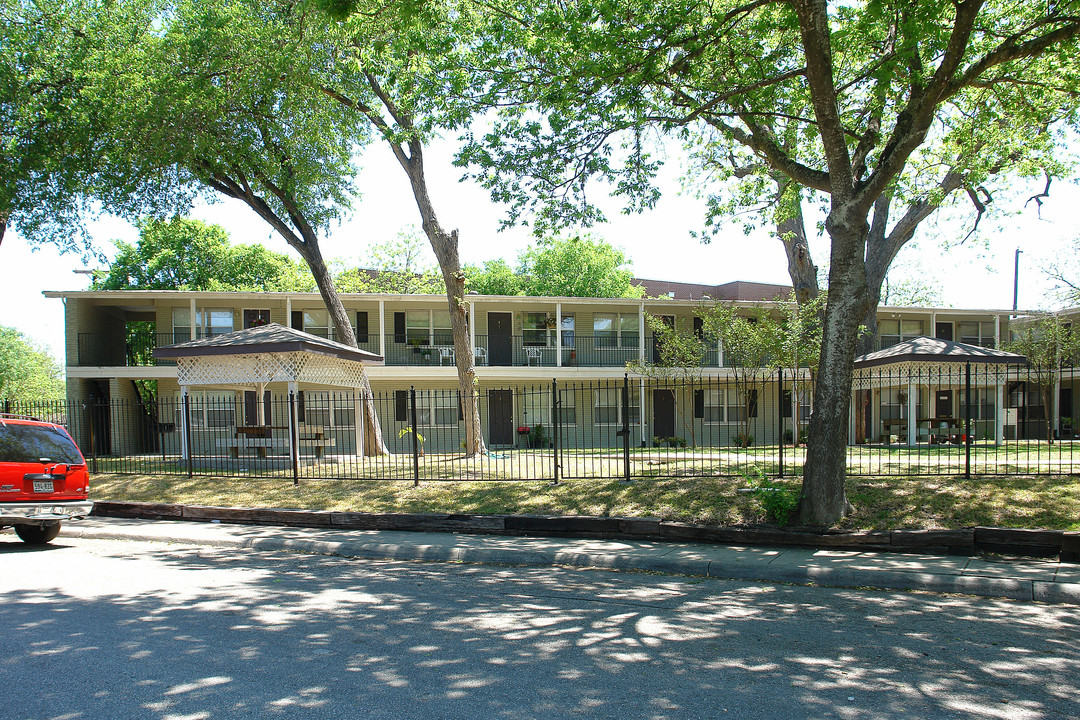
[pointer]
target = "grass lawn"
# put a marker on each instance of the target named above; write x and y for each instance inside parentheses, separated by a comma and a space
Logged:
(922, 501)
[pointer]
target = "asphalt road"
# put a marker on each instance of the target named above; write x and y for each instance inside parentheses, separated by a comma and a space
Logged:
(104, 629)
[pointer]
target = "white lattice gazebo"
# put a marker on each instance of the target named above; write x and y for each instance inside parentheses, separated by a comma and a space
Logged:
(946, 363)
(258, 356)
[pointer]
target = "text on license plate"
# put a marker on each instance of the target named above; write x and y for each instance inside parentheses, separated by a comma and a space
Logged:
(45, 486)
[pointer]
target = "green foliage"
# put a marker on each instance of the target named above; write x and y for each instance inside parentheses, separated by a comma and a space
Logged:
(778, 501)
(399, 266)
(27, 372)
(1048, 343)
(562, 267)
(539, 436)
(494, 277)
(62, 145)
(185, 254)
(419, 438)
(577, 267)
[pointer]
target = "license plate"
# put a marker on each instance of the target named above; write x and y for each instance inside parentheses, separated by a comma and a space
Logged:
(43, 486)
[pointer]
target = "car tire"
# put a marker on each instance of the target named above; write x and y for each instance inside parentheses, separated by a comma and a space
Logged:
(37, 534)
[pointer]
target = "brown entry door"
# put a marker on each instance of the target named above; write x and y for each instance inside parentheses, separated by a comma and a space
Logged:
(501, 417)
(663, 403)
(943, 404)
(500, 338)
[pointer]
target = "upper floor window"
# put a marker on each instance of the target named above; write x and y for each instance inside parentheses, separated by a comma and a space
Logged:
(208, 322)
(317, 322)
(534, 328)
(616, 329)
(892, 332)
(428, 327)
(977, 333)
(568, 331)
(256, 318)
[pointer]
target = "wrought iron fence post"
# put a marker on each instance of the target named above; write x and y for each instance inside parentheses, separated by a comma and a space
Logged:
(187, 432)
(415, 431)
(93, 450)
(625, 430)
(967, 421)
(294, 438)
(555, 430)
(780, 413)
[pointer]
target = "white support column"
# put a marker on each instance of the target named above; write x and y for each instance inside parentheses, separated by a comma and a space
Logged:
(185, 441)
(260, 406)
(558, 334)
(912, 388)
(641, 332)
(288, 312)
(997, 332)
(194, 324)
(641, 413)
(294, 423)
(472, 328)
(358, 423)
(999, 413)
(382, 328)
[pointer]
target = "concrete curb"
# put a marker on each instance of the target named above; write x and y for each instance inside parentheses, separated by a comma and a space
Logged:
(966, 541)
(884, 579)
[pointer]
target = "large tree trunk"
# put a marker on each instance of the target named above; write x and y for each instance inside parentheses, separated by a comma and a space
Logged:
(824, 500)
(312, 254)
(445, 246)
(791, 230)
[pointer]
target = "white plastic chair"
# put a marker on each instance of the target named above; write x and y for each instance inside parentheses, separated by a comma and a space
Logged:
(533, 354)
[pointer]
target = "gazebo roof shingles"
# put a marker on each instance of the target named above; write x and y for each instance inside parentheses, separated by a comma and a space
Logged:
(935, 350)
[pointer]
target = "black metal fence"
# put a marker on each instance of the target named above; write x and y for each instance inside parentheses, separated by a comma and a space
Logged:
(939, 420)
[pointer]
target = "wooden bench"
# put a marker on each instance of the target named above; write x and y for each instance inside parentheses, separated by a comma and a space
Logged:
(318, 443)
(258, 444)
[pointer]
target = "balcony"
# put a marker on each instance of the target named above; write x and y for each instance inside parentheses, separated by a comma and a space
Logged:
(101, 349)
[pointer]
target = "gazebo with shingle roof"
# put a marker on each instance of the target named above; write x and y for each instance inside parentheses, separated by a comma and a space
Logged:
(916, 361)
(257, 356)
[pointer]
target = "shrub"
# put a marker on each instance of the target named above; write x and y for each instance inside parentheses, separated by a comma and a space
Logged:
(778, 501)
(744, 440)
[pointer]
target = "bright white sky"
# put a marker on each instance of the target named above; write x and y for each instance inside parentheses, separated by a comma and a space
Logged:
(658, 244)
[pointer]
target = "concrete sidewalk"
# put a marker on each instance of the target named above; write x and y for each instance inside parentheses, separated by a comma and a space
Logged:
(1019, 579)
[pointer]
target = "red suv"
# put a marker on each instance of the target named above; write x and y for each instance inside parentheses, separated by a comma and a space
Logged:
(43, 478)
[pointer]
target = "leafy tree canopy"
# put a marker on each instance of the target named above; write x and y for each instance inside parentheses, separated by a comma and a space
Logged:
(494, 277)
(399, 266)
(577, 267)
(61, 156)
(27, 372)
(186, 254)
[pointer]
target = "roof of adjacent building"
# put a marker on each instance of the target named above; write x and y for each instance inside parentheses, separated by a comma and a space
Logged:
(928, 349)
(739, 290)
(270, 338)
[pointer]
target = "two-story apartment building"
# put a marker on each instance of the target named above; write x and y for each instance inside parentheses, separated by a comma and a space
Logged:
(583, 343)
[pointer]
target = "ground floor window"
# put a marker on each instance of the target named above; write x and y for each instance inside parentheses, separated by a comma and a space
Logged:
(729, 404)
(437, 408)
(329, 409)
(568, 407)
(894, 404)
(608, 410)
(209, 409)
